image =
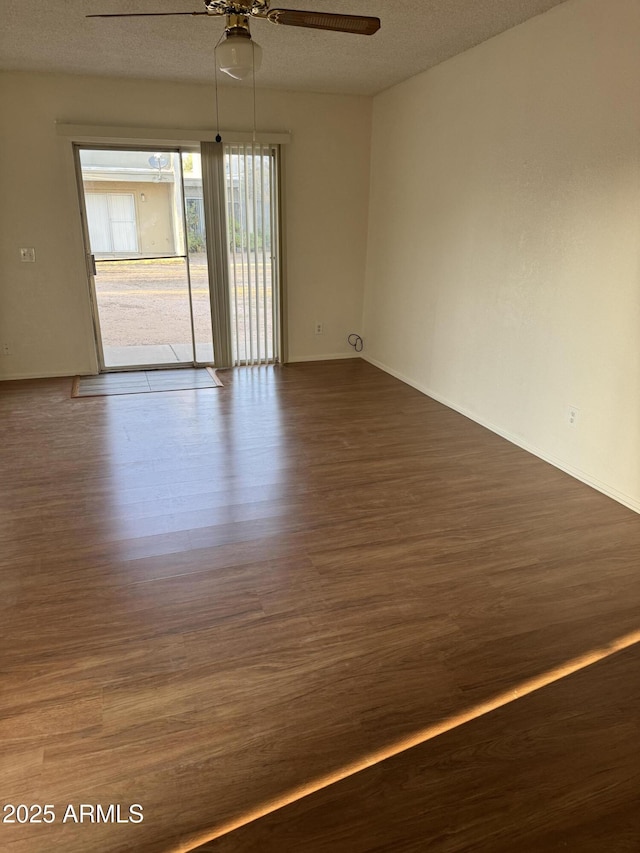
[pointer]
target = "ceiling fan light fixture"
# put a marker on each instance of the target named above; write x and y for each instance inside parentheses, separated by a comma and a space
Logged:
(238, 55)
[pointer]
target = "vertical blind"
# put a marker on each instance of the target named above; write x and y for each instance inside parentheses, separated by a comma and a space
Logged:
(250, 193)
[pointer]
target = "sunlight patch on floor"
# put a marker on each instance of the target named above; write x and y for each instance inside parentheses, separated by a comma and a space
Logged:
(422, 736)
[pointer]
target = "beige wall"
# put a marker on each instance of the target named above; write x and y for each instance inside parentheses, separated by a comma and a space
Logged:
(503, 269)
(44, 307)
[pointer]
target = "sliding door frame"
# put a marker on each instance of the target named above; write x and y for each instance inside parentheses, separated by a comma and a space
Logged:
(280, 253)
(177, 141)
(89, 259)
(91, 262)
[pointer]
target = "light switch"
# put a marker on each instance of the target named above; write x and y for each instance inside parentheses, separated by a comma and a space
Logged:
(28, 255)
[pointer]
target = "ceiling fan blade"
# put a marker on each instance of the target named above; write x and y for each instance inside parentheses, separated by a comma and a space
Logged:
(151, 14)
(359, 24)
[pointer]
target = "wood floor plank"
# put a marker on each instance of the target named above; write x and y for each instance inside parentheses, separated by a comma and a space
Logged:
(558, 769)
(210, 600)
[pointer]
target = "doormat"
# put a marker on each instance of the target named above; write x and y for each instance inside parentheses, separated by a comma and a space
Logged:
(145, 382)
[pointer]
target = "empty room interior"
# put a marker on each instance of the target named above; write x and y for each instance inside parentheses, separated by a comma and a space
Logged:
(320, 410)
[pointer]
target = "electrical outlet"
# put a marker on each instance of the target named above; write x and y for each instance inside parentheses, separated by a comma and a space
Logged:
(28, 255)
(319, 329)
(6, 349)
(572, 415)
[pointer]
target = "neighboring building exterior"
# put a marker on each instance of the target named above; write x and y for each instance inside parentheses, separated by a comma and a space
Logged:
(133, 203)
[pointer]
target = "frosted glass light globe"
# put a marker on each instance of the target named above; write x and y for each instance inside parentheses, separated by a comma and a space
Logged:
(237, 54)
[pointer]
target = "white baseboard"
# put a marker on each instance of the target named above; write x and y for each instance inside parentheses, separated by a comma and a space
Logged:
(582, 476)
(327, 357)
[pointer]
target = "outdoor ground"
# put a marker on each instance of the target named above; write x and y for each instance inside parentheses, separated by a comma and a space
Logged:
(146, 302)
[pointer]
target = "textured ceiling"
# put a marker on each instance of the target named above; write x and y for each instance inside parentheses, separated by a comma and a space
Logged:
(415, 35)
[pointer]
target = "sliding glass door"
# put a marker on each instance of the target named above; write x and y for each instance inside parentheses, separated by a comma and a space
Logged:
(147, 261)
(161, 296)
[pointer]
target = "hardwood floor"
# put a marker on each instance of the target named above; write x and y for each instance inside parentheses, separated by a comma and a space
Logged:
(557, 770)
(212, 598)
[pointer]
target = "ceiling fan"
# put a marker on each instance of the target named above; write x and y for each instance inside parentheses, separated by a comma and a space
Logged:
(237, 54)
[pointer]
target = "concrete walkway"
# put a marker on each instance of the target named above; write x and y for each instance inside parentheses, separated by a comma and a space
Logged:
(160, 354)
